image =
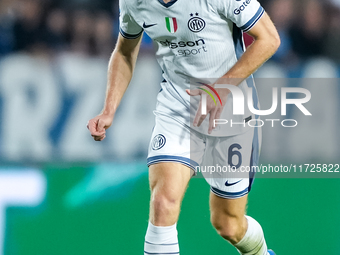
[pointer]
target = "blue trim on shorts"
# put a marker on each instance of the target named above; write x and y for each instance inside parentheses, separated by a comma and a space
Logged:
(254, 159)
(167, 158)
(255, 152)
(230, 195)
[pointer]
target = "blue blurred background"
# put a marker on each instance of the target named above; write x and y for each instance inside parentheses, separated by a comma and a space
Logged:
(63, 193)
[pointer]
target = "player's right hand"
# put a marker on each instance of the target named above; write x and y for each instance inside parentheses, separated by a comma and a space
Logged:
(214, 110)
(98, 125)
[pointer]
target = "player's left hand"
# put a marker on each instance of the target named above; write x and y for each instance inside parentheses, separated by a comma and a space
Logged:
(214, 110)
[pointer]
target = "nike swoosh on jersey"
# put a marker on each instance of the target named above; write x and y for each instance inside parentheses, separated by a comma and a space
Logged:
(231, 184)
(147, 26)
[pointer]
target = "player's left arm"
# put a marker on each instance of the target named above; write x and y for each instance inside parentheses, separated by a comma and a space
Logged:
(266, 43)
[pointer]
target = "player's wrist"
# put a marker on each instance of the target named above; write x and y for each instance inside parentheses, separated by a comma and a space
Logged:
(229, 79)
(108, 112)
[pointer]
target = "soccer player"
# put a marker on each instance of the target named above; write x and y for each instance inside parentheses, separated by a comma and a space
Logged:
(194, 40)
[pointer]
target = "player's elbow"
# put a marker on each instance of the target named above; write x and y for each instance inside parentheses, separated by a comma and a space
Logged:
(275, 41)
(271, 44)
(272, 40)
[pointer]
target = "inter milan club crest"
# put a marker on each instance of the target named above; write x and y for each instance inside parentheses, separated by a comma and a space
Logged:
(171, 24)
(196, 24)
(158, 142)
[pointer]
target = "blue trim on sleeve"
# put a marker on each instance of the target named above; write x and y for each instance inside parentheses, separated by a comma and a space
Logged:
(166, 158)
(253, 20)
(230, 195)
(129, 36)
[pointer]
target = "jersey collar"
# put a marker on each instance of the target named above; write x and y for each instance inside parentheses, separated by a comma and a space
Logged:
(167, 4)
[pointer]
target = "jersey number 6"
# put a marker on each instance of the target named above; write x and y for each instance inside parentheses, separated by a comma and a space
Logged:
(234, 152)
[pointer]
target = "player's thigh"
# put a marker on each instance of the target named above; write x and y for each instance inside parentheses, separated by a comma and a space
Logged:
(169, 180)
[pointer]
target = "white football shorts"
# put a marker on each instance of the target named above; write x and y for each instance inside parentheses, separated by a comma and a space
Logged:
(227, 163)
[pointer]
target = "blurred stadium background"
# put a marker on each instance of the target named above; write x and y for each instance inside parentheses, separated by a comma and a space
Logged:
(62, 193)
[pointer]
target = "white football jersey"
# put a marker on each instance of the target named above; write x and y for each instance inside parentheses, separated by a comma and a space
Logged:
(200, 39)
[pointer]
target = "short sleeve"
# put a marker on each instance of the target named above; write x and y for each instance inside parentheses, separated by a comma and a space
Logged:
(128, 27)
(244, 13)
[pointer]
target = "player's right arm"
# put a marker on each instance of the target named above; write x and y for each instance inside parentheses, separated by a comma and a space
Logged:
(120, 70)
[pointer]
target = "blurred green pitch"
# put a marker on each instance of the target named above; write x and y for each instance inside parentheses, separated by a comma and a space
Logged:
(299, 216)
